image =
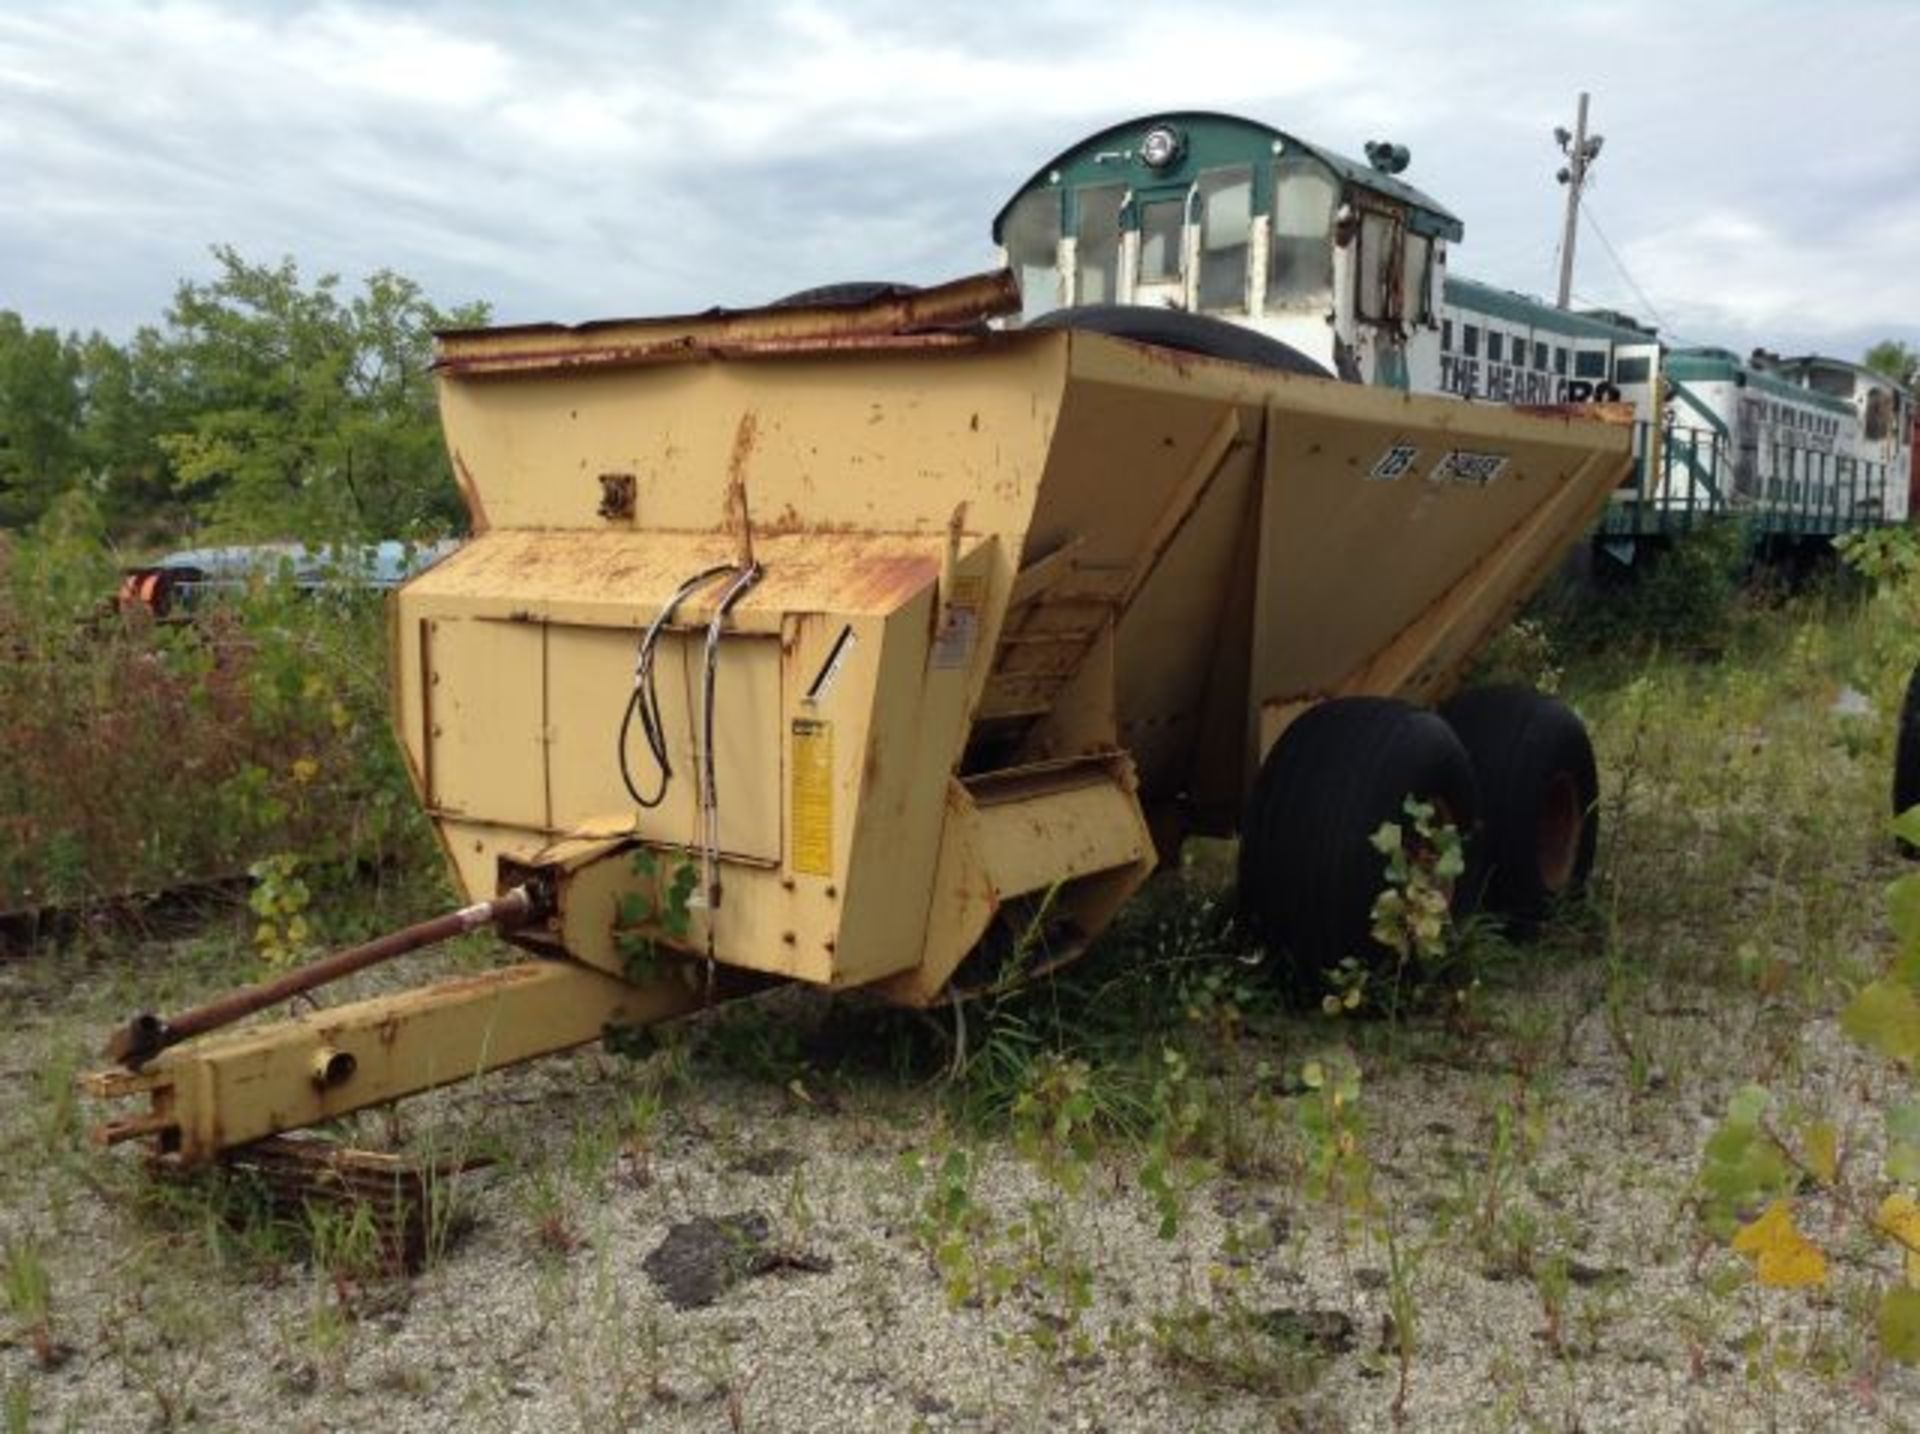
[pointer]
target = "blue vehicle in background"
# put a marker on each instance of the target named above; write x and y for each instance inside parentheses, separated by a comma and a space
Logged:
(181, 582)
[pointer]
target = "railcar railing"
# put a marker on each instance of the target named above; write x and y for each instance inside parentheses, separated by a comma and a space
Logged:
(1684, 477)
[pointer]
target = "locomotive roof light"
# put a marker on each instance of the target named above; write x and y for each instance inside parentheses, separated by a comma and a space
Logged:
(1388, 157)
(1161, 147)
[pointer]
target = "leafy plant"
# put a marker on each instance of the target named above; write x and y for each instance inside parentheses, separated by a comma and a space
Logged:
(279, 899)
(1757, 1179)
(1332, 1127)
(655, 914)
(1888, 557)
(1412, 917)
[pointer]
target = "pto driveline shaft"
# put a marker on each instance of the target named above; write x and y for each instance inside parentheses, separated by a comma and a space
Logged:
(146, 1035)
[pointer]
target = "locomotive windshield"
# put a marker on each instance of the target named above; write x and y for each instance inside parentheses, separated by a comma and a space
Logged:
(1032, 239)
(1225, 201)
(1216, 215)
(1300, 269)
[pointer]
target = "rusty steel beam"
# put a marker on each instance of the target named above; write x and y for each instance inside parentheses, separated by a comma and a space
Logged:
(235, 1087)
(920, 319)
(146, 1035)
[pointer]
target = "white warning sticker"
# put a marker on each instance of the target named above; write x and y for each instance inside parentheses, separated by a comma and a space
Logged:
(959, 624)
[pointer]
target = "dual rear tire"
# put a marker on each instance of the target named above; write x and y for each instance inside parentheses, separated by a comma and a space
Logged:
(1512, 771)
(1906, 756)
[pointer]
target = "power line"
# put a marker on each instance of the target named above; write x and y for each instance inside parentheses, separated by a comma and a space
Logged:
(1671, 337)
(1613, 254)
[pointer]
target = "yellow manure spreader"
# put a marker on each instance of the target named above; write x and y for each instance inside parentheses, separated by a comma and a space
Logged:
(817, 643)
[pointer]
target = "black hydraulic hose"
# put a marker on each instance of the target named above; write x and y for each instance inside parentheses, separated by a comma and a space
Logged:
(645, 699)
(743, 581)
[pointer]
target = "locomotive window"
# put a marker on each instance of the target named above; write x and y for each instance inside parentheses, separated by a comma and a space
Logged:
(1590, 363)
(1226, 223)
(1416, 284)
(1446, 335)
(1300, 266)
(1096, 261)
(1633, 370)
(1879, 422)
(1470, 340)
(1160, 230)
(1496, 346)
(1379, 235)
(1032, 237)
(1540, 356)
(1560, 361)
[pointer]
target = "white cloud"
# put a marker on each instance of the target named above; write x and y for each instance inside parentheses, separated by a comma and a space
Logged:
(1728, 272)
(569, 161)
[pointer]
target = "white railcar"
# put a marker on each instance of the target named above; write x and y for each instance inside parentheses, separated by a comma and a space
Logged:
(1347, 264)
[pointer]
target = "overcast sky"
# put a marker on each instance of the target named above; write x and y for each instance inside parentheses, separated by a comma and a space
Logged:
(1760, 181)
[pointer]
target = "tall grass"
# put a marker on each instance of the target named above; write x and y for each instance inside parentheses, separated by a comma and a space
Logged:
(140, 755)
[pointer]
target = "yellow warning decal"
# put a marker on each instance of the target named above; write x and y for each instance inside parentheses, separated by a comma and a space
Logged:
(812, 766)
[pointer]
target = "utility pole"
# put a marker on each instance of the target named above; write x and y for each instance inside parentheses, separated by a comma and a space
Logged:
(1581, 152)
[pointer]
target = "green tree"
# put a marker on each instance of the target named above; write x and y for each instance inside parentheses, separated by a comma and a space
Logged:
(39, 419)
(1898, 361)
(305, 414)
(130, 399)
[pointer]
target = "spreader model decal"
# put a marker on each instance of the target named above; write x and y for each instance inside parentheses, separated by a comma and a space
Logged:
(1396, 462)
(1464, 466)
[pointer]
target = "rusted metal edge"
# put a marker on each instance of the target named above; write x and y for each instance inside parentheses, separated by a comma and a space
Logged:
(922, 319)
(1052, 774)
(1618, 414)
(683, 351)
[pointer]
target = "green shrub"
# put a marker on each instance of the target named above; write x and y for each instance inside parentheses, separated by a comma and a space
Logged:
(1682, 594)
(145, 755)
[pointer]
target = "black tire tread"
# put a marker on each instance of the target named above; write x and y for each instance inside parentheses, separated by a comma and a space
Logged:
(1517, 739)
(1308, 872)
(1906, 750)
(1906, 757)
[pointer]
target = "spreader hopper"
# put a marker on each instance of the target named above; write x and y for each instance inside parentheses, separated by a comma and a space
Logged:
(814, 644)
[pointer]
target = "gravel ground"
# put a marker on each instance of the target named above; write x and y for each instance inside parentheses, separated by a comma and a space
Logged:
(1538, 1168)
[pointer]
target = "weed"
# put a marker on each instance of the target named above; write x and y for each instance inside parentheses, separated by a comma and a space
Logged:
(1754, 1163)
(1332, 1127)
(1238, 1348)
(1521, 652)
(1168, 1174)
(279, 899)
(153, 754)
(654, 916)
(1682, 594)
(1403, 1267)
(549, 1211)
(346, 1245)
(1412, 918)
(29, 1291)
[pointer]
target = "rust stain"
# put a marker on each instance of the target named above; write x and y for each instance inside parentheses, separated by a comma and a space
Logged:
(743, 439)
(886, 581)
(739, 521)
(470, 491)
